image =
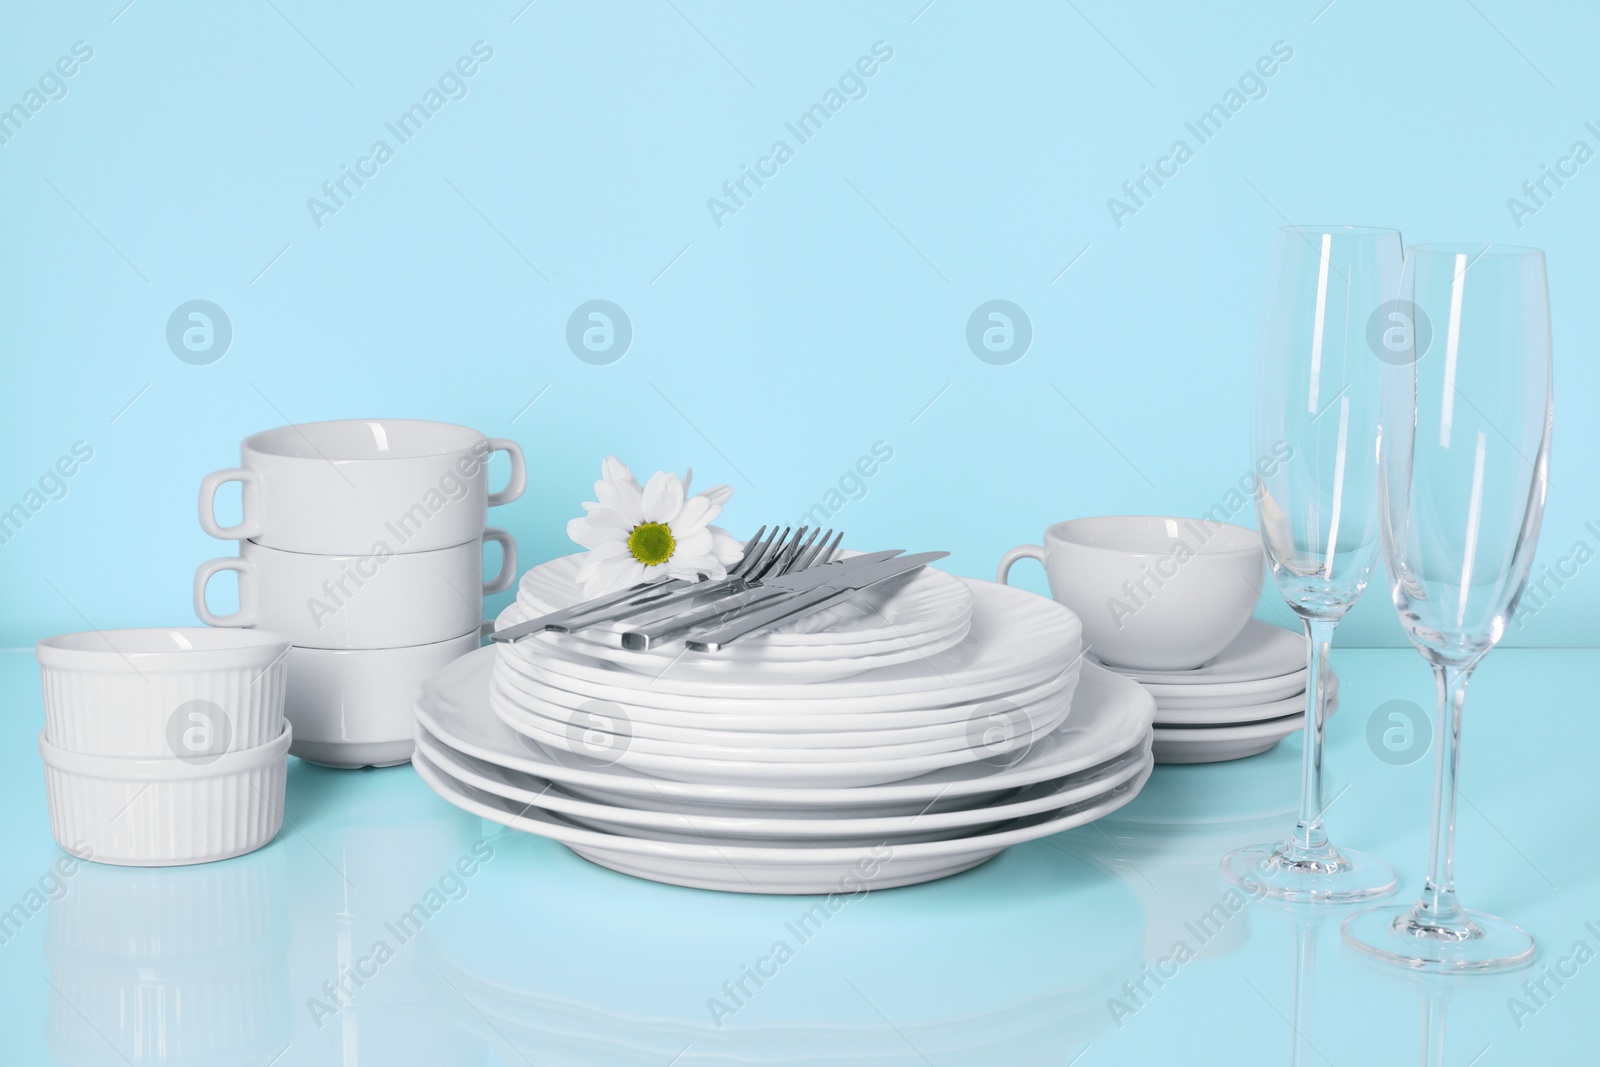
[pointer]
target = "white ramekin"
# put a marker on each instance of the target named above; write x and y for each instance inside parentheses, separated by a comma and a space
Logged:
(161, 691)
(165, 812)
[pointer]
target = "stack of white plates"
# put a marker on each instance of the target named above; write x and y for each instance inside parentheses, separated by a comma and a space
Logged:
(725, 773)
(1240, 704)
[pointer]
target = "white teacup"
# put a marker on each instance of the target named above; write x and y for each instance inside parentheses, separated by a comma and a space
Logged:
(353, 707)
(380, 599)
(1154, 593)
(337, 487)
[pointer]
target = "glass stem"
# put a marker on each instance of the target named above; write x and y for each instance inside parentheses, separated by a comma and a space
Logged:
(1438, 907)
(1309, 837)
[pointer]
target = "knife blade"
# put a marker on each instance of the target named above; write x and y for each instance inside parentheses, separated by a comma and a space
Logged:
(802, 604)
(666, 624)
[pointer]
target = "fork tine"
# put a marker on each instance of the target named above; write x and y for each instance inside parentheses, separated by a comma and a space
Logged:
(744, 553)
(802, 553)
(785, 554)
(808, 556)
(770, 550)
(827, 552)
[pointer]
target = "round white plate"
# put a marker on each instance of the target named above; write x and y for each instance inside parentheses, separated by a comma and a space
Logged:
(1222, 694)
(1109, 716)
(559, 710)
(927, 601)
(589, 735)
(1260, 651)
(769, 868)
(775, 719)
(761, 828)
(1230, 716)
(1214, 744)
(1017, 639)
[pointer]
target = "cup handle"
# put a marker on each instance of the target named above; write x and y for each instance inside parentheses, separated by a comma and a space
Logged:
(1011, 558)
(250, 500)
(508, 561)
(246, 615)
(519, 471)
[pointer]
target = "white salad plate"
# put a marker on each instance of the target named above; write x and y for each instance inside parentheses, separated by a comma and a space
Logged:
(1110, 715)
(1261, 650)
(1235, 716)
(774, 868)
(1214, 744)
(600, 735)
(707, 729)
(764, 827)
(890, 617)
(1017, 639)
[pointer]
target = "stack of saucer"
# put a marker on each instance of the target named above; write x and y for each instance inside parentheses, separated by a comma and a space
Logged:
(805, 757)
(362, 542)
(1239, 704)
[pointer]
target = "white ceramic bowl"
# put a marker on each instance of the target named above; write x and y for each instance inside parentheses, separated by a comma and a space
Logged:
(1154, 593)
(342, 486)
(165, 812)
(163, 692)
(352, 707)
(375, 600)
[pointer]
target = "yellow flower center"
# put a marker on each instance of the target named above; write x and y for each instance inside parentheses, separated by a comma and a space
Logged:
(651, 543)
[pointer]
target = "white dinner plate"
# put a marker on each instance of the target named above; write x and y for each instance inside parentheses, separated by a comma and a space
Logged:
(927, 601)
(1017, 639)
(774, 868)
(1230, 716)
(1214, 744)
(1109, 716)
(599, 734)
(775, 720)
(1261, 650)
(766, 826)
(560, 710)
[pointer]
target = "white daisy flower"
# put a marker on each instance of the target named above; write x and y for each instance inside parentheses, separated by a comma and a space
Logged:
(636, 535)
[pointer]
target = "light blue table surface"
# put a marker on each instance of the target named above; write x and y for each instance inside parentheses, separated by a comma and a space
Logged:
(539, 957)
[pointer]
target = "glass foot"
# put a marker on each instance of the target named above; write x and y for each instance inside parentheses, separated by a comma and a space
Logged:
(1478, 944)
(1327, 877)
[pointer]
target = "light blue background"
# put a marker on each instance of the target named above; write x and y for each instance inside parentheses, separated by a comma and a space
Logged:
(828, 314)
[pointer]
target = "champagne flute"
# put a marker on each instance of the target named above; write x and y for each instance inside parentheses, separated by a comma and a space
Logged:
(1463, 454)
(1317, 404)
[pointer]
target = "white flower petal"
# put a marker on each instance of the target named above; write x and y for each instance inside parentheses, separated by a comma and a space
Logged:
(663, 497)
(694, 545)
(718, 494)
(726, 547)
(696, 512)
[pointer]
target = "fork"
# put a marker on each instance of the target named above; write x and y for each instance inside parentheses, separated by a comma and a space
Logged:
(780, 553)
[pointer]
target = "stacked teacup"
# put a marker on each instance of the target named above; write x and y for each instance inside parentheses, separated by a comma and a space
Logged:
(1167, 602)
(361, 541)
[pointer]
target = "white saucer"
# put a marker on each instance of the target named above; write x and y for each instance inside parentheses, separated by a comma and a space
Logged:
(1214, 744)
(1230, 716)
(769, 868)
(1260, 651)
(1219, 694)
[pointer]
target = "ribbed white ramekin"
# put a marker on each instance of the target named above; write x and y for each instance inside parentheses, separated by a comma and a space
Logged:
(163, 812)
(171, 691)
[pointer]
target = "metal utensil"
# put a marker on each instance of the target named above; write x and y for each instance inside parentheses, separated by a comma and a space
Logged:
(659, 627)
(779, 553)
(802, 604)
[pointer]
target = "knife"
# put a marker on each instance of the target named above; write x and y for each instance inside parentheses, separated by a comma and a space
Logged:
(802, 604)
(668, 624)
(648, 591)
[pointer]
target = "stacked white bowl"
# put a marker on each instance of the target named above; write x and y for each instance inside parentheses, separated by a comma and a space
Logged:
(164, 746)
(361, 541)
